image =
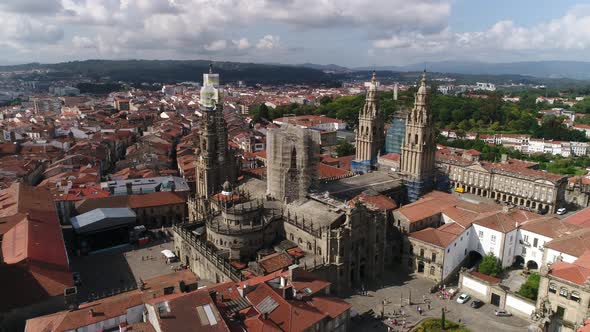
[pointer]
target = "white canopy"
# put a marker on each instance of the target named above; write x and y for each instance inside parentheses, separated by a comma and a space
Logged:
(168, 253)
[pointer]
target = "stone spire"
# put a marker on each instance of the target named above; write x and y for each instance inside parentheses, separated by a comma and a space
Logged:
(419, 146)
(370, 136)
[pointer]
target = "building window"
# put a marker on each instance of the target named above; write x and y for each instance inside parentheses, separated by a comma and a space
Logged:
(493, 239)
(421, 252)
(526, 238)
(523, 251)
(563, 292)
(510, 238)
(575, 296)
(433, 256)
(481, 234)
(535, 242)
(292, 237)
(448, 250)
(432, 270)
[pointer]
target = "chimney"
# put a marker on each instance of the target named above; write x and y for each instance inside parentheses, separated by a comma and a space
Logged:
(288, 292)
(283, 282)
(504, 158)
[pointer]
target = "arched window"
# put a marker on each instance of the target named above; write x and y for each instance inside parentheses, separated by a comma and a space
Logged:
(563, 292)
(575, 296)
(292, 237)
(308, 245)
(415, 138)
(319, 251)
(294, 158)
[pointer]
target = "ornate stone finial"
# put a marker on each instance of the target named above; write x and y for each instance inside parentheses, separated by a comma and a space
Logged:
(544, 270)
(211, 68)
(374, 77)
(424, 77)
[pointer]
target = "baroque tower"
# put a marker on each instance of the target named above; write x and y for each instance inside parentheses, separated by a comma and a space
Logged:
(419, 146)
(214, 161)
(370, 137)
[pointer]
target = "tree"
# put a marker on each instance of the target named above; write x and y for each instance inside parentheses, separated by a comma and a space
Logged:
(490, 265)
(345, 149)
(530, 289)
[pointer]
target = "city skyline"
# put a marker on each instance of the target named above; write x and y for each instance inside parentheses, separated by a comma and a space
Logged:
(355, 33)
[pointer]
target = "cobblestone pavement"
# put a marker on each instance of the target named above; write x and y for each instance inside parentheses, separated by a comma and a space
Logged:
(482, 319)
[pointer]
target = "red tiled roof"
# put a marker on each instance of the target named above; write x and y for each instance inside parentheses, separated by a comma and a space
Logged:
(485, 277)
(275, 262)
(378, 201)
(391, 156)
(580, 218)
(434, 236)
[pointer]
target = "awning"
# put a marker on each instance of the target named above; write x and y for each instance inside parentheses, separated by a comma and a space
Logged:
(168, 253)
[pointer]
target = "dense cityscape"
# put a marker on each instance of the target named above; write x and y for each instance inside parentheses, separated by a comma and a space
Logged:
(214, 195)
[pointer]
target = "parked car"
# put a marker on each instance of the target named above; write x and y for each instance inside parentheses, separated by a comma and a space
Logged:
(77, 279)
(561, 211)
(476, 304)
(502, 313)
(463, 298)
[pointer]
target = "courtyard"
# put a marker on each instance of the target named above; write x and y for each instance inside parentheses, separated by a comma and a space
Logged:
(401, 290)
(121, 268)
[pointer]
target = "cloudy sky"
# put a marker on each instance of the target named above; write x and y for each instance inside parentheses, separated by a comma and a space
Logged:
(344, 32)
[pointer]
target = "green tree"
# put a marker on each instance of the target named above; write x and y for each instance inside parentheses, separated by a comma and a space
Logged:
(490, 265)
(345, 149)
(530, 289)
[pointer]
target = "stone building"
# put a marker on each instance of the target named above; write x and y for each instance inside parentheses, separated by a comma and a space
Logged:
(370, 134)
(514, 181)
(346, 244)
(215, 163)
(419, 146)
(564, 295)
(292, 158)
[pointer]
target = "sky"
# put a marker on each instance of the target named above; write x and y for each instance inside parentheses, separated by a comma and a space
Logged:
(345, 32)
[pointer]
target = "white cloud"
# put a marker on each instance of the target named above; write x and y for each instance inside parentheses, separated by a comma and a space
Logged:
(241, 43)
(269, 42)
(83, 42)
(216, 45)
(569, 32)
(189, 28)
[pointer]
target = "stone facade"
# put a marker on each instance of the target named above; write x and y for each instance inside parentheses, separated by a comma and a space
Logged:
(511, 181)
(564, 302)
(419, 146)
(370, 135)
(292, 162)
(215, 163)
(425, 259)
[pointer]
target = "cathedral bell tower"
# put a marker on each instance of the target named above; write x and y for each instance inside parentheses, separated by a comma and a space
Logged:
(370, 135)
(214, 161)
(419, 146)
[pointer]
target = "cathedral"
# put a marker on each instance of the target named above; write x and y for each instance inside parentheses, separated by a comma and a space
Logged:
(341, 229)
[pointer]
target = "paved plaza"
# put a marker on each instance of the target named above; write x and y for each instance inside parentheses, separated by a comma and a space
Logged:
(121, 268)
(398, 291)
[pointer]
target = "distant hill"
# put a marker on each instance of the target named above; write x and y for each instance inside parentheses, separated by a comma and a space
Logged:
(544, 69)
(329, 67)
(171, 71)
